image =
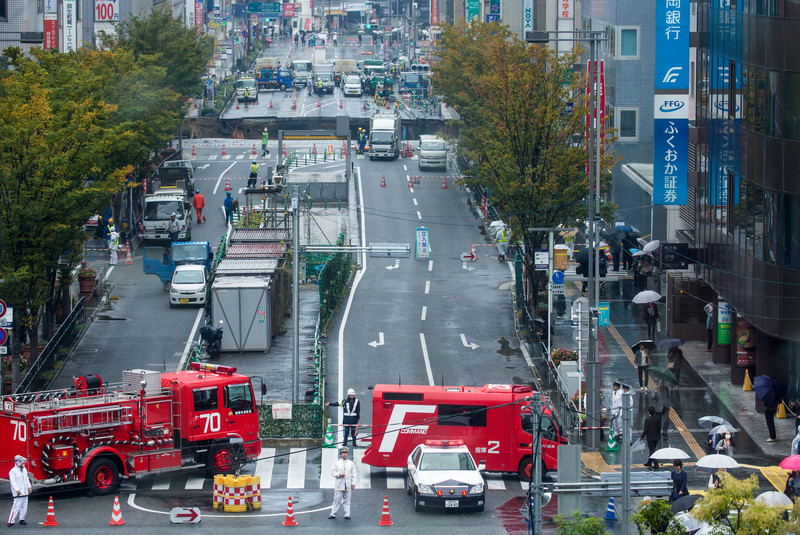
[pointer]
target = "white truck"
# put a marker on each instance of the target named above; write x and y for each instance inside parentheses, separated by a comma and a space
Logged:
(319, 54)
(159, 206)
(323, 72)
(343, 67)
(384, 136)
(302, 71)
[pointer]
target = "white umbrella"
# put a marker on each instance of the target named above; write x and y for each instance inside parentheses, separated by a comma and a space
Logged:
(774, 498)
(689, 522)
(647, 296)
(710, 421)
(651, 246)
(721, 429)
(638, 253)
(669, 454)
(715, 460)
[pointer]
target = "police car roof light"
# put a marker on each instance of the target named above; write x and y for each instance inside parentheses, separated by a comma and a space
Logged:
(445, 443)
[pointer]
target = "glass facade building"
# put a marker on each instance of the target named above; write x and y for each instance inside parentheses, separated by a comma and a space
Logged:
(747, 198)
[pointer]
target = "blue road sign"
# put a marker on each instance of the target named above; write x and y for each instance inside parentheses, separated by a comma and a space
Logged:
(3, 336)
(558, 277)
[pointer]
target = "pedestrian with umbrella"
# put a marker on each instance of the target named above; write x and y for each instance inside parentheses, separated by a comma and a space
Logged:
(628, 242)
(679, 481)
(651, 318)
(660, 400)
(768, 391)
(675, 361)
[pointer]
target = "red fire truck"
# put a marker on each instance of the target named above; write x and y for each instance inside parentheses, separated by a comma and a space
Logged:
(493, 420)
(97, 432)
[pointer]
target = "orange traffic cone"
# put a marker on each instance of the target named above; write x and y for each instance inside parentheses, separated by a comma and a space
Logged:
(383, 181)
(283, 151)
(444, 182)
(340, 104)
(319, 102)
(116, 514)
(227, 184)
(254, 150)
(289, 515)
(385, 519)
(237, 104)
(474, 252)
(194, 151)
(51, 515)
(410, 182)
(128, 259)
(365, 105)
(270, 103)
(387, 104)
(224, 152)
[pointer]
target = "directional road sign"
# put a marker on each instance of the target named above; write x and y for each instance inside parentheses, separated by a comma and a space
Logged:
(275, 8)
(558, 289)
(184, 515)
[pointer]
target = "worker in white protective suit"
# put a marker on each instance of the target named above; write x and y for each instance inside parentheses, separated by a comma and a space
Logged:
(345, 478)
(20, 489)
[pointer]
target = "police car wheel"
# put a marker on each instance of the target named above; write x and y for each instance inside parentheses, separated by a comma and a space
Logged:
(417, 506)
(409, 486)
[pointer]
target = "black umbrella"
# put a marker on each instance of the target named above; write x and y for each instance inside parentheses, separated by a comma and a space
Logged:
(670, 342)
(684, 503)
(767, 389)
(648, 344)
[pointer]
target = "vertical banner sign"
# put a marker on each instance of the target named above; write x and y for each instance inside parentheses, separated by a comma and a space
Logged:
(423, 245)
(723, 324)
(50, 24)
(565, 24)
(474, 10)
(527, 17)
(671, 103)
(745, 343)
(70, 26)
(106, 10)
(198, 14)
(592, 113)
(434, 12)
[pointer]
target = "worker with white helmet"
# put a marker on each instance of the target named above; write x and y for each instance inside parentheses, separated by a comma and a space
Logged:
(351, 414)
(252, 182)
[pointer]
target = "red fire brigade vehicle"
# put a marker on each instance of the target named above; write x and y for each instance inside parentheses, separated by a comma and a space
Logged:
(151, 422)
(493, 420)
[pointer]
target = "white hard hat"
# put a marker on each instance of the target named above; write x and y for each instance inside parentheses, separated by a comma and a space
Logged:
(351, 392)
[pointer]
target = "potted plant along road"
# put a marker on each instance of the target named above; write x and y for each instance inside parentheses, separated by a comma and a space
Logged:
(87, 278)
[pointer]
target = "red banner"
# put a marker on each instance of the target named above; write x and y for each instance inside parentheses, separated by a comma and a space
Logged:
(198, 15)
(50, 30)
(288, 10)
(434, 12)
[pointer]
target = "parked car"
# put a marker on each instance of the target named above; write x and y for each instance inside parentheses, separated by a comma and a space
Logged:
(443, 475)
(188, 286)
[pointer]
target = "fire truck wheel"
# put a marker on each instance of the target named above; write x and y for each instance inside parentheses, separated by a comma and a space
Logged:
(102, 476)
(223, 459)
(525, 471)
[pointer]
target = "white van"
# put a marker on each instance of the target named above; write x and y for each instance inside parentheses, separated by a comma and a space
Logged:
(432, 153)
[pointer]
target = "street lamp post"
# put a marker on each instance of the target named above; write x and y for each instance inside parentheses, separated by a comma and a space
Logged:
(592, 361)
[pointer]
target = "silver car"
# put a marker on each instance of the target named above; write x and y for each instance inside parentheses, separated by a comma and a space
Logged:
(351, 85)
(188, 286)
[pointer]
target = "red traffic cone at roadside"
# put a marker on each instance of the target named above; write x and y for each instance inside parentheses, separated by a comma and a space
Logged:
(224, 152)
(116, 514)
(227, 184)
(319, 102)
(444, 182)
(385, 519)
(340, 104)
(254, 150)
(289, 515)
(365, 105)
(237, 104)
(128, 259)
(51, 515)
(383, 181)
(194, 151)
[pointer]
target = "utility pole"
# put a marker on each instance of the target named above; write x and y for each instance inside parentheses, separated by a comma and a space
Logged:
(535, 494)
(295, 290)
(627, 421)
(413, 32)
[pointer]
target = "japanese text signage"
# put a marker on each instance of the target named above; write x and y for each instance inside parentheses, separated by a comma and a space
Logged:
(723, 324)
(289, 10)
(274, 8)
(474, 10)
(106, 10)
(565, 9)
(671, 103)
(423, 245)
(50, 30)
(70, 26)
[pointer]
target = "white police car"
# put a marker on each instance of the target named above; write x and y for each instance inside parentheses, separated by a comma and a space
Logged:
(443, 475)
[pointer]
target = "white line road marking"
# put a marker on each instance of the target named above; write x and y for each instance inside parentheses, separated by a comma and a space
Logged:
(226, 157)
(395, 479)
(405, 168)
(240, 156)
(424, 313)
(395, 266)
(494, 481)
(219, 180)
(296, 478)
(212, 157)
(464, 341)
(427, 287)
(415, 201)
(364, 470)
(419, 215)
(195, 483)
(161, 483)
(430, 265)
(329, 456)
(264, 467)
(132, 503)
(427, 360)
(190, 340)
(378, 342)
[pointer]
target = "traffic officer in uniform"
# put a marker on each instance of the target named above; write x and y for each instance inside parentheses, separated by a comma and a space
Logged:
(351, 415)
(345, 478)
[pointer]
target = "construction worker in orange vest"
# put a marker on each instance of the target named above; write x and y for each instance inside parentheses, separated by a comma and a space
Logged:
(199, 202)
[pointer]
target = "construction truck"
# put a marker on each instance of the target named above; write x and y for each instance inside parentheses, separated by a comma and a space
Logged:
(384, 135)
(246, 90)
(172, 171)
(323, 78)
(281, 79)
(302, 72)
(343, 67)
(160, 205)
(98, 433)
(163, 263)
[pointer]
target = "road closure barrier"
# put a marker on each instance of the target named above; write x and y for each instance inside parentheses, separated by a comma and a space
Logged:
(234, 494)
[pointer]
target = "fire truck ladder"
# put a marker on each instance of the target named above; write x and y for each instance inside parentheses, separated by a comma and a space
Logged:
(82, 420)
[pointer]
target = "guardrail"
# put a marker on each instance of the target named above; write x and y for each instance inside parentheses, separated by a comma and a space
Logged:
(65, 337)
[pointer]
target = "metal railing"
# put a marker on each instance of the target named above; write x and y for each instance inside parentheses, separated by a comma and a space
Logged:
(65, 337)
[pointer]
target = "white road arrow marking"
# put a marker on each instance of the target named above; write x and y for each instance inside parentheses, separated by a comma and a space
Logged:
(395, 266)
(378, 342)
(202, 166)
(468, 268)
(464, 341)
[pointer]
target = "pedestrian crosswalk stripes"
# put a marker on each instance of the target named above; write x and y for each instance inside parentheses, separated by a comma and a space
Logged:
(300, 468)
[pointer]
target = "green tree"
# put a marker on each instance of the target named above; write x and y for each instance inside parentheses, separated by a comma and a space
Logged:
(523, 121)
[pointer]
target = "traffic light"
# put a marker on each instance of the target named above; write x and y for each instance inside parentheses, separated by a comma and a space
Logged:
(369, 26)
(266, 19)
